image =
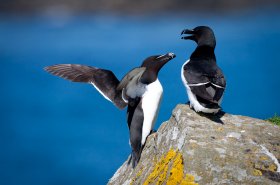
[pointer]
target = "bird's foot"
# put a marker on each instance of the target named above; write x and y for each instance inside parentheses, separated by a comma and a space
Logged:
(153, 131)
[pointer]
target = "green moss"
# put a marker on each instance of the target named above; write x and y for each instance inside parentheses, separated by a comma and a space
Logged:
(275, 119)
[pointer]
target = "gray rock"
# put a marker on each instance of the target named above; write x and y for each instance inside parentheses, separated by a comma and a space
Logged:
(191, 148)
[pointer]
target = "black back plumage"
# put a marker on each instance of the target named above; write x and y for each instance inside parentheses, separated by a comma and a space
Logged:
(204, 77)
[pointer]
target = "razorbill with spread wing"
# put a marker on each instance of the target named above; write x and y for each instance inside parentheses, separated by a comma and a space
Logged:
(139, 89)
(203, 79)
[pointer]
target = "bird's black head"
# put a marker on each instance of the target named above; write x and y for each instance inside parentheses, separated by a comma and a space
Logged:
(202, 35)
(156, 62)
(153, 65)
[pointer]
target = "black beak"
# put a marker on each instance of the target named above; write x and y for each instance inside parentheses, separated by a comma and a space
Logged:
(163, 59)
(166, 57)
(190, 37)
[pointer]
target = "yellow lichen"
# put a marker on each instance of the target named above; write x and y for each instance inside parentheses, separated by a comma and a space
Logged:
(162, 173)
(160, 170)
(193, 145)
(189, 178)
(272, 168)
(220, 129)
(263, 158)
(257, 172)
(177, 171)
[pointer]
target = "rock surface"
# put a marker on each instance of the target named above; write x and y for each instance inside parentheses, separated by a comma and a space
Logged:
(191, 148)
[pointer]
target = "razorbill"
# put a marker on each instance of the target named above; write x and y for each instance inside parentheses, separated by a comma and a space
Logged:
(203, 79)
(139, 90)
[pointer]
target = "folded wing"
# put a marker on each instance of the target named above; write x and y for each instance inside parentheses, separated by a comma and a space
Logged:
(206, 81)
(131, 77)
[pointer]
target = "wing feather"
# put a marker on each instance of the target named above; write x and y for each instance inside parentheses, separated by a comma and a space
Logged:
(103, 80)
(132, 75)
(205, 79)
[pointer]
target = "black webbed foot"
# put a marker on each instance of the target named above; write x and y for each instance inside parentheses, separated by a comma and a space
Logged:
(153, 131)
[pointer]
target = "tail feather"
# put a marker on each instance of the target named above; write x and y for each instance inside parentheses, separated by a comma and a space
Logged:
(135, 157)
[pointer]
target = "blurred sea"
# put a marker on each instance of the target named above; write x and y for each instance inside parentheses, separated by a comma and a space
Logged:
(56, 132)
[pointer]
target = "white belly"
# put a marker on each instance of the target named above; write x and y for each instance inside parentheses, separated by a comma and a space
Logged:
(150, 104)
(192, 98)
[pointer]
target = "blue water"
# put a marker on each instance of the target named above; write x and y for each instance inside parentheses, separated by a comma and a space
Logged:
(56, 132)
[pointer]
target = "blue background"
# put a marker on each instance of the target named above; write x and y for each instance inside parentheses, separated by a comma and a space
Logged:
(53, 131)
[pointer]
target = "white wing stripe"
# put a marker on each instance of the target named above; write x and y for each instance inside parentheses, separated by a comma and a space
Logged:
(100, 92)
(218, 86)
(199, 84)
(125, 100)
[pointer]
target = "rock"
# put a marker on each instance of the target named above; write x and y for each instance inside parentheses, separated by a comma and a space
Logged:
(191, 148)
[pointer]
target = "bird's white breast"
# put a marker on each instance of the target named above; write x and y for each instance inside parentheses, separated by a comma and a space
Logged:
(150, 104)
(182, 74)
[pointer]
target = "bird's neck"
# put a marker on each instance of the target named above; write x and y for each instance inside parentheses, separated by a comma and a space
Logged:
(204, 51)
(149, 76)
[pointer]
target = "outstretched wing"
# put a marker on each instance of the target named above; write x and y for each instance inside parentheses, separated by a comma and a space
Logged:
(205, 80)
(103, 80)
